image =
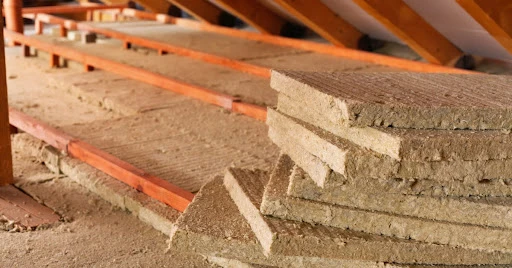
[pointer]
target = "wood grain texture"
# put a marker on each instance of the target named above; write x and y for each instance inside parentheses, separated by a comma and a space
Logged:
(153, 186)
(493, 16)
(411, 28)
(165, 48)
(202, 10)
(13, 18)
(325, 49)
(40, 130)
(68, 9)
(323, 21)
(157, 6)
(22, 209)
(255, 14)
(6, 172)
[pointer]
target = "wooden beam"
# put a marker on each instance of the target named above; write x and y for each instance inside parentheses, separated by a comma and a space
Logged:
(203, 11)
(13, 18)
(494, 16)
(68, 9)
(180, 87)
(6, 172)
(255, 14)
(413, 30)
(326, 49)
(155, 187)
(157, 6)
(164, 48)
(39, 130)
(110, 2)
(22, 209)
(319, 18)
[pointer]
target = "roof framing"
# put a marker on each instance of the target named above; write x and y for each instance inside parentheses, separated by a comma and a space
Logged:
(413, 30)
(321, 19)
(203, 11)
(158, 6)
(254, 14)
(494, 16)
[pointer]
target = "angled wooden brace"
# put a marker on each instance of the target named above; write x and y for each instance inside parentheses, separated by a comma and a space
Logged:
(206, 12)
(413, 30)
(494, 16)
(261, 18)
(319, 18)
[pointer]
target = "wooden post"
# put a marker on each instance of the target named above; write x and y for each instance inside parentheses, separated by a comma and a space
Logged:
(63, 32)
(54, 60)
(26, 51)
(13, 16)
(39, 26)
(6, 174)
(88, 68)
(89, 16)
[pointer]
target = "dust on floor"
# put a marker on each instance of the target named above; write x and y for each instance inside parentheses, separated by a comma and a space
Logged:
(92, 232)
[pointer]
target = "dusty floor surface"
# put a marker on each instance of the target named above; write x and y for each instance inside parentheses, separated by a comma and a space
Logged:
(179, 139)
(92, 232)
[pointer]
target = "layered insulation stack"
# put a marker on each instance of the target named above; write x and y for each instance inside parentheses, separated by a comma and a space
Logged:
(376, 170)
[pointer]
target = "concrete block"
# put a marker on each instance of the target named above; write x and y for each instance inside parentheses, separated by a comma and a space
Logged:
(213, 226)
(355, 162)
(403, 100)
(483, 211)
(409, 144)
(292, 238)
(277, 203)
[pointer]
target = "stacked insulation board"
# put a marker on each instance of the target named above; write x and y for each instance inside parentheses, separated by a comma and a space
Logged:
(376, 170)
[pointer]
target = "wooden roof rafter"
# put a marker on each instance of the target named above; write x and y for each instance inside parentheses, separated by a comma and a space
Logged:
(321, 19)
(205, 11)
(255, 14)
(418, 34)
(494, 16)
(157, 6)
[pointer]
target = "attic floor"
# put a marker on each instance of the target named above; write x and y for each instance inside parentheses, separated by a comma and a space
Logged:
(176, 138)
